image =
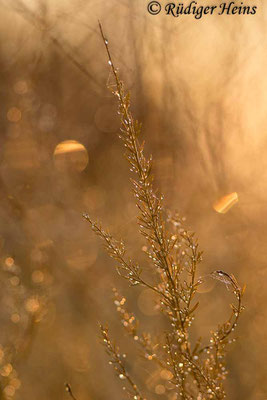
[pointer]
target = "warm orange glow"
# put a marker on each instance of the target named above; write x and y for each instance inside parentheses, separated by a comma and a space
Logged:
(32, 305)
(225, 203)
(9, 262)
(199, 90)
(6, 370)
(70, 154)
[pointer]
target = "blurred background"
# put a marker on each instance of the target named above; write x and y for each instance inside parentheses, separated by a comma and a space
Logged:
(200, 89)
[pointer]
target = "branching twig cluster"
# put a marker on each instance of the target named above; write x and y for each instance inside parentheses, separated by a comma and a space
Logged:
(196, 371)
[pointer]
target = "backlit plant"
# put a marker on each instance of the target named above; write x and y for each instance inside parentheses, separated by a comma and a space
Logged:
(193, 370)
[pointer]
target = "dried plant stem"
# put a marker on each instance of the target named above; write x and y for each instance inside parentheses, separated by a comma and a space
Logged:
(116, 359)
(174, 255)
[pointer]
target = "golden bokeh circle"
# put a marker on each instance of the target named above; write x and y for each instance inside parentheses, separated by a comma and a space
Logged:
(70, 155)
